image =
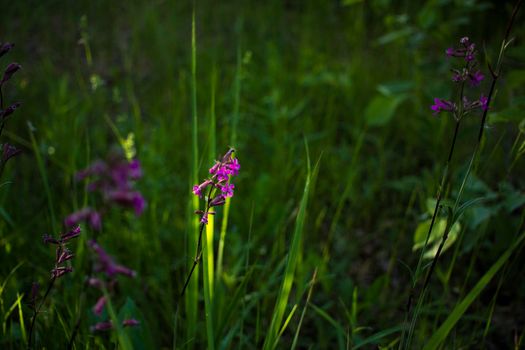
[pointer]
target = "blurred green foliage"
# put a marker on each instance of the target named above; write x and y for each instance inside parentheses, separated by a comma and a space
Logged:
(355, 78)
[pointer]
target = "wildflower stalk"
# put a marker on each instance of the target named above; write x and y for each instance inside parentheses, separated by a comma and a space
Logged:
(495, 74)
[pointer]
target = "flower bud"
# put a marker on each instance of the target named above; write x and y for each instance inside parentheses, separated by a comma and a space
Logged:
(9, 71)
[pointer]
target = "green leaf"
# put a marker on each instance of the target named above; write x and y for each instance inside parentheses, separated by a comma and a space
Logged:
(381, 109)
(435, 237)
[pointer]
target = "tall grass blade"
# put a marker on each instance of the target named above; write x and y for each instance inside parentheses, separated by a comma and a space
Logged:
(282, 298)
(441, 334)
(192, 294)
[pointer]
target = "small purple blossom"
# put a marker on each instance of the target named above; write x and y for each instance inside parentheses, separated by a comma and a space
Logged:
(441, 105)
(131, 322)
(114, 180)
(476, 78)
(221, 174)
(5, 48)
(11, 69)
(62, 253)
(91, 216)
(107, 325)
(484, 101)
(99, 306)
(9, 110)
(227, 190)
(130, 199)
(101, 326)
(9, 151)
(198, 189)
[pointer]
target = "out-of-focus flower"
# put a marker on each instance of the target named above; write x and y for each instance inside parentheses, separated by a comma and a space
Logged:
(5, 48)
(106, 263)
(89, 215)
(11, 69)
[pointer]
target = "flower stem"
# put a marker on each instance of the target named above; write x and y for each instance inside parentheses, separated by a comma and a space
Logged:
(37, 310)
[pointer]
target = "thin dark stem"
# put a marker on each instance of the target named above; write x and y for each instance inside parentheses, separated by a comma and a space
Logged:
(198, 254)
(37, 310)
(195, 262)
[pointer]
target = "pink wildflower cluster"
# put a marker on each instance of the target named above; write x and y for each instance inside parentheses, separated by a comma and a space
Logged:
(106, 264)
(468, 73)
(218, 185)
(114, 179)
(63, 254)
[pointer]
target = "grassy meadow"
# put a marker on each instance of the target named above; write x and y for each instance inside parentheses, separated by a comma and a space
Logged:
(360, 220)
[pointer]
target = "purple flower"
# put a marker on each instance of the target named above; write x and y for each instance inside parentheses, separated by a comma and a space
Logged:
(9, 110)
(101, 326)
(441, 105)
(106, 263)
(107, 325)
(484, 101)
(99, 306)
(198, 189)
(221, 173)
(234, 167)
(5, 48)
(130, 199)
(87, 214)
(131, 322)
(65, 256)
(476, 78)
(9, 151)
(135, 171)
(217, 201)
(9, 71)
(60, 271)
(227, 190)
(74, 232)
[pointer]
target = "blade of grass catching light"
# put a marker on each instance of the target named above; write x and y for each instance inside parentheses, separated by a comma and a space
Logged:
(441, 334)
(283, 328)
(21, 316)
(233, 140)
(207, 276)
(192, 293)
(272, 336)
(207, 266)
(310, 290)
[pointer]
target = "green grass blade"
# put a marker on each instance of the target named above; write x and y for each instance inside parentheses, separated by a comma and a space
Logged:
(441, 334)
(375, 338)
(208, 256)
(43, 174)
(208, 282)
(282, 298)
(192, 293)
(310, 290)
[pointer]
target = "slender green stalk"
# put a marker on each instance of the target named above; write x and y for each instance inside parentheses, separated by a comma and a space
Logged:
(192, 297)
(272, 335)
(233, 140)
